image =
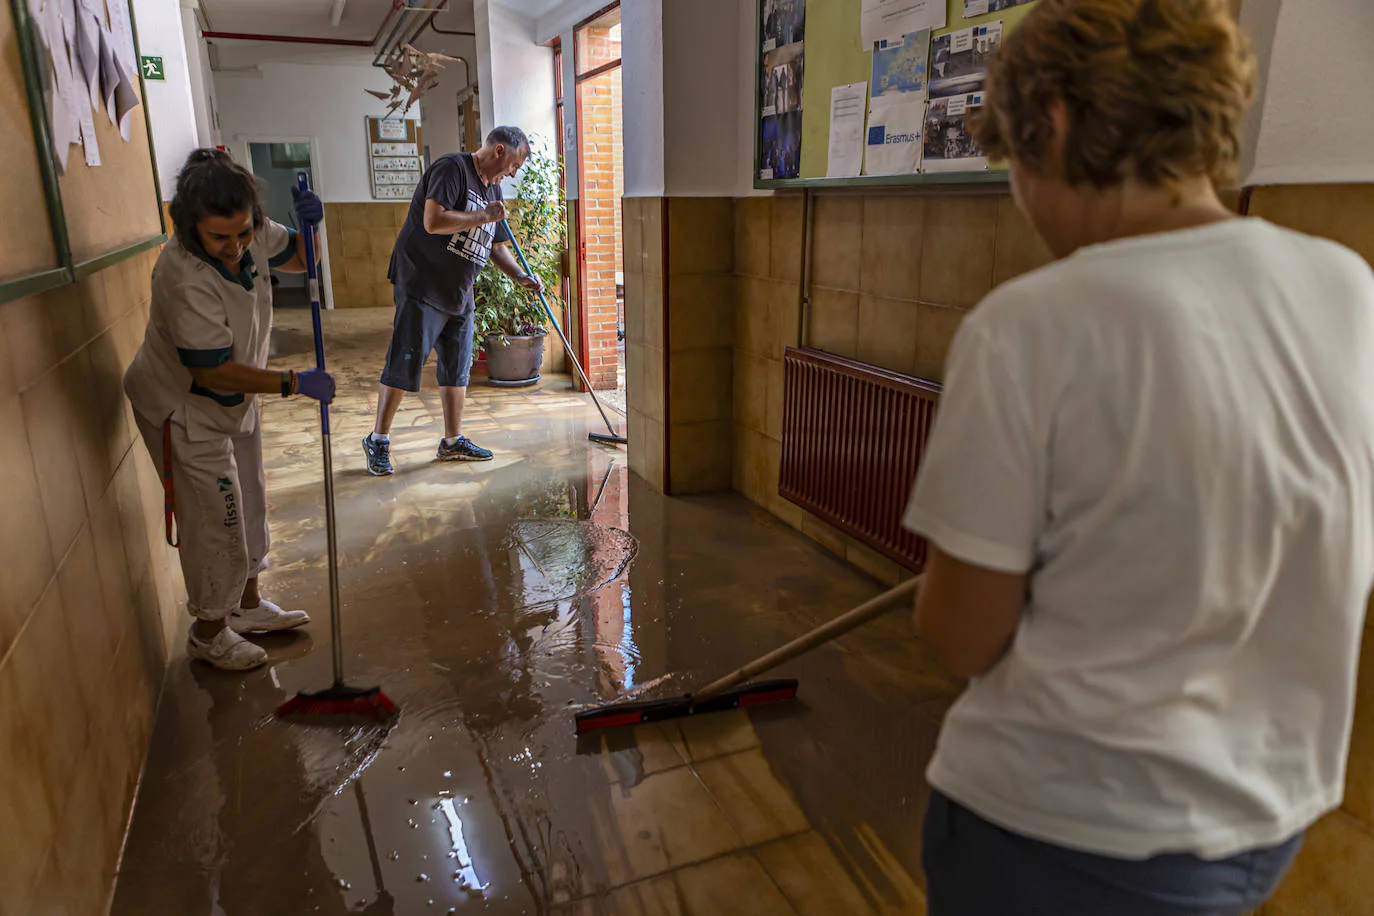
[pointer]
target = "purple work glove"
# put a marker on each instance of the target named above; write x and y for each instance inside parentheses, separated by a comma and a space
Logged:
(316, 384)
(309, 209)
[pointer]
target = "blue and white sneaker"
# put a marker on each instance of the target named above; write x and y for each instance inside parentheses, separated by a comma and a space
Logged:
(378, 456)
(462, 449)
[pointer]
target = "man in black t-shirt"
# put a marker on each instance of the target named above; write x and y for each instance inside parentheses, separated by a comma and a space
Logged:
(452, 230)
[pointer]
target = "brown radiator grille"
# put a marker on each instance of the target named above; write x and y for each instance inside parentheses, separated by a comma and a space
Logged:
(852, 438)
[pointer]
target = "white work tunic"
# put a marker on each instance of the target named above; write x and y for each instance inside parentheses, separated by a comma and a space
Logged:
(204, 316)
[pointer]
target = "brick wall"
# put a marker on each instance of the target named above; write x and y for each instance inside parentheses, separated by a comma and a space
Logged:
(603, 185)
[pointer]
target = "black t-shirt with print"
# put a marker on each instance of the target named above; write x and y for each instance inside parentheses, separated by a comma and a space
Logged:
(439, 270)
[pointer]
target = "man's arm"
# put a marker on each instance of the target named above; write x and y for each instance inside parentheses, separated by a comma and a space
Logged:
(442, 221)
(504, 258)
(968, 614)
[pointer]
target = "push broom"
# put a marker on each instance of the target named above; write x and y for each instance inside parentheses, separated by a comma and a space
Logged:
(611, 437)
(733, 691)
(338, 699)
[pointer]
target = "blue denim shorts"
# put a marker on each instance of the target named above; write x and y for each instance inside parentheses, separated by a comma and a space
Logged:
(420, 329)
(975, 868)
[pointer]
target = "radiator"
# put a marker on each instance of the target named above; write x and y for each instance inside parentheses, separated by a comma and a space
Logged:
(852, 438)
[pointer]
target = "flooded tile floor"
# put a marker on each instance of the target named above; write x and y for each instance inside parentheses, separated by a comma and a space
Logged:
(491, 601)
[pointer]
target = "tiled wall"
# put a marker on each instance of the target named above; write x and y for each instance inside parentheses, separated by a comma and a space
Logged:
(645, 363)
(89, 597)
(680, 330)
(360, 239)
(1335, 871)
(893, 274)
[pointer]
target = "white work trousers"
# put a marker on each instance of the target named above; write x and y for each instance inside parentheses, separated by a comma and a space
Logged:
(221, 511)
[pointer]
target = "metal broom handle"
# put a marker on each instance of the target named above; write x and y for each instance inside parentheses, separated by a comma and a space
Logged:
(312, 273)
(567, 346)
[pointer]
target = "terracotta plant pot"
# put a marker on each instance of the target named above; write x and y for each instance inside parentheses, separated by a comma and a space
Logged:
(514, 361)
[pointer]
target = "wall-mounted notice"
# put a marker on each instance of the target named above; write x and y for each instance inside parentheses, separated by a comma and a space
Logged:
(894, 18)
(782, 29)
(949, 145)
(846, 154)
(959, 60)
(391, 129)
(393, 157)
(899, 67)
(974, 8)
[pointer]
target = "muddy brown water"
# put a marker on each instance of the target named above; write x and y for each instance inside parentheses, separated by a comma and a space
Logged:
(491, 602)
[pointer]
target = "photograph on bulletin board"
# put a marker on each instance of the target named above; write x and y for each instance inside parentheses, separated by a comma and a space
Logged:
(782, 80)
(949, 144)
(974, 8)
(959, 60)
(783, 23)
(780, 151)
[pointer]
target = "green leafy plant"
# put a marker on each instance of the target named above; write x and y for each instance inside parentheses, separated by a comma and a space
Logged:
(538, 219)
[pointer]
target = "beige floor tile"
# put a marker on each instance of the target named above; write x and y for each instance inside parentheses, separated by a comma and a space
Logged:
(653, 752)
(667, 821)
(732, 886)
(1333, 874)
(717, 734)
(811, 875)
(754, 798)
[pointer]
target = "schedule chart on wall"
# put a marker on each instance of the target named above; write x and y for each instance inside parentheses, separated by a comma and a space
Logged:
(393, 158)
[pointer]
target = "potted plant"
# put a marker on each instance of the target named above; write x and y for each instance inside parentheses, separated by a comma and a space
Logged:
(510, 321)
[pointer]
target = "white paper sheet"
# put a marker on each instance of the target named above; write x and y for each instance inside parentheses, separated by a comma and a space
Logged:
(86, 54)
(846, 154)
(125, 100)
(123, 31)
(88, 138)
(894, 18)
(895, 128)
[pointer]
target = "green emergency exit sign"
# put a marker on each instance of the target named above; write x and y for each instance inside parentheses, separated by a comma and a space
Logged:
(152, 68)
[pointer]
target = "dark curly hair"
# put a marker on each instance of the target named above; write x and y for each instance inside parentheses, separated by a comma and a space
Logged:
(1156, 90)
(212, 184)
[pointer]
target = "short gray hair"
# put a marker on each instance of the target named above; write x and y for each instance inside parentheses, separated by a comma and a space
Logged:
(512, 138)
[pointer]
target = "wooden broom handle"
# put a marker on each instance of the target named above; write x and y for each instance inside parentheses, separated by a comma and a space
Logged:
(874, 607)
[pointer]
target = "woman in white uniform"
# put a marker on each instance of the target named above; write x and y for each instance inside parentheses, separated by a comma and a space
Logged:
(194, 385)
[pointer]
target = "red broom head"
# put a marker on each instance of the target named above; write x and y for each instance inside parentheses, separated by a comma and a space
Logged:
(340, 701)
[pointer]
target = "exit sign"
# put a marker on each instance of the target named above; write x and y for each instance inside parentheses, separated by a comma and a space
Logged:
(152, 68)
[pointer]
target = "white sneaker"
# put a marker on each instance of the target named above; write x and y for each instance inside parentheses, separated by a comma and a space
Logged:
(266, 618)
(228, 650)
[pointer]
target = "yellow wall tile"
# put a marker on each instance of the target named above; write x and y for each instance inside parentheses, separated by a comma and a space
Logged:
(837, 243)
(701, 311)
(1335, 211)
(1019, 248)
(49, 416)
(701, 235)
(887, 333)
(653, 306)
(653, 236)
(893, 228)
(935, 329)
(753, 236)
(957, 249)
(700, 385)
(785, 244)
(750, 384)
(634, 307)
(24, 541)
(835, 321)
(632, 228)
(773, 427)
(702, 457)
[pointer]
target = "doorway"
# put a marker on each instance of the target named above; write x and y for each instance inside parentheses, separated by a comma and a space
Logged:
(601, 155)
(275, 163)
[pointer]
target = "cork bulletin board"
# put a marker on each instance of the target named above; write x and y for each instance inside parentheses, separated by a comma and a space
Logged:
(94, 215)
(394, 160)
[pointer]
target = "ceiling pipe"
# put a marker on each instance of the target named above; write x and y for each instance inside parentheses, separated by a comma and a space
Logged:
(336, 12)
(440, 31)
(289, 39)
(404, 33)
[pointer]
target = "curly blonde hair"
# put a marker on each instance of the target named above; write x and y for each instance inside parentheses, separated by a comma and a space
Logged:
(1156, 90)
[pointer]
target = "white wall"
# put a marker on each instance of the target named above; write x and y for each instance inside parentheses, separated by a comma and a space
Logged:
(202, 81)
(702, 76)
(169, 102)
(642, 81)
(439, 106)
(278, 101)
(1316, 123)
(516, 74)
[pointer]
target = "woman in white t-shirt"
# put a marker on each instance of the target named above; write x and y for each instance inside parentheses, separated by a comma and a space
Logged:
(1149, 494)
